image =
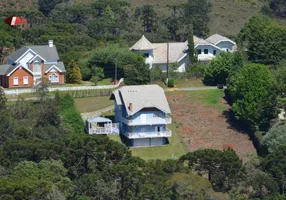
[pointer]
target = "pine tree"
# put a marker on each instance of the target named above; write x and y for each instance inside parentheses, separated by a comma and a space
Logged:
(73, 74)
(191, 47)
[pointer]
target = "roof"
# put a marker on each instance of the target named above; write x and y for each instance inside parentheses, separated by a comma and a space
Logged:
(177, 50)
(143, 96)
(217, 38)
(98, 120)
(59, 65)
(142, 44)
(46, 52)
(5, 69)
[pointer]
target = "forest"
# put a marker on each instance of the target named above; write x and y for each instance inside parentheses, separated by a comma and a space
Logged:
(45, 154)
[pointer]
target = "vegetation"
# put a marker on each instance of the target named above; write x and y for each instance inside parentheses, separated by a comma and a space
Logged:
(73, 74)
(220, 67)
(253, 93)
(275, 137)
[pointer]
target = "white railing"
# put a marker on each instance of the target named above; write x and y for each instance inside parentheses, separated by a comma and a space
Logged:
(114, 129)
(135, 122)
(76, 88)
(167, 133)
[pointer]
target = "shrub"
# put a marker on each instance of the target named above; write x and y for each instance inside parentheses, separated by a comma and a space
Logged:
(171, 83)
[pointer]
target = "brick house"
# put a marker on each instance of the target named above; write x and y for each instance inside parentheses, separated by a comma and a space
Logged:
(29, 64)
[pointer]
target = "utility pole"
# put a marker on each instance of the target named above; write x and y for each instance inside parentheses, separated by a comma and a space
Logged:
(167, 64)
(115, 73)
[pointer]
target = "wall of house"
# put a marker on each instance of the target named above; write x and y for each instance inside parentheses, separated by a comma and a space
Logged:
(150, 116)
(61, 77)
(225, 45)
(3, 81)
(210, 55)
(147, 129)
(20, 73)
(148, 142)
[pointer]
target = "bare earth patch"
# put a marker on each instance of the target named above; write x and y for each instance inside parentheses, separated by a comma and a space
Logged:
(202, 126)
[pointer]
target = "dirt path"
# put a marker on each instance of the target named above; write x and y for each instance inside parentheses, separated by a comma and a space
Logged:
(202, 126)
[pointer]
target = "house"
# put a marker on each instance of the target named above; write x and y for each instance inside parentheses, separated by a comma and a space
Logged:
(176, 53)
(142, 113)
(29, 64)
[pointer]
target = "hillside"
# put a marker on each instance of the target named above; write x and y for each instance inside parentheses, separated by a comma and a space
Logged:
(227, 17)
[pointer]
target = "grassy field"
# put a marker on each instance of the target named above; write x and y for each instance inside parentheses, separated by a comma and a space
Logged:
(174, 148)
(92, 103)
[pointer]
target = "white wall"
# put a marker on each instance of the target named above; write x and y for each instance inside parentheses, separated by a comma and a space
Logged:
(148, 60)
(225, 45)
(210, 55)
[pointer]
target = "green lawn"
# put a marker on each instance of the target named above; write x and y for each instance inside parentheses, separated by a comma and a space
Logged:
(175, 148)
(185, 83)
(90, 104)
(106, 81)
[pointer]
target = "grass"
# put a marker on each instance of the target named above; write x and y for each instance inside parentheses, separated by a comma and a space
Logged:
(90, 104)
(175, 148)
(84, 83)
(106, 81)
(193, 82)
(210, 98)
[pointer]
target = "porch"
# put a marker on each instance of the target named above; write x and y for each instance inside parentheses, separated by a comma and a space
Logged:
(153, 121)
(100, 125)
(167, 133)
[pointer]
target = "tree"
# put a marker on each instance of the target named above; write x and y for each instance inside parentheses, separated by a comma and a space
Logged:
(222, 167)
(275, 165)
(191, 48)
(280, 74)
(46, 6)
(73, 74)
(264, 40)
(3, 98)
(221, 66)
(278, 7)
(253, 93)
(43, 88)
(275, 137)
(136, 74)
(148, 18)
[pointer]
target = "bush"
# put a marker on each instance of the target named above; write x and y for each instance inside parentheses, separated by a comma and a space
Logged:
(156, 74)
(196, 71)
(275, 137)
(171, 83)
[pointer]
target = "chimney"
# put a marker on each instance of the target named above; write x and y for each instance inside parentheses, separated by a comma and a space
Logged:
(51, 43)
(131, 107)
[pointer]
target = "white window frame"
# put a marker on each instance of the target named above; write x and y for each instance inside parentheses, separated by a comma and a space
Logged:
(27, 78)
(15, 78)
(52, 81)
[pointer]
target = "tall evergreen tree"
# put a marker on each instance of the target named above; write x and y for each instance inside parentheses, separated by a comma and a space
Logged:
(191, 47)
(149, 18)
(73, 74)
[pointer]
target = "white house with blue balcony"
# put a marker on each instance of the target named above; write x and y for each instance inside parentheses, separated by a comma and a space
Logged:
(143, 114)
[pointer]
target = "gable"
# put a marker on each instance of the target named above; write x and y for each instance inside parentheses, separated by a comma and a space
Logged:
(15, 68)
(53, 68)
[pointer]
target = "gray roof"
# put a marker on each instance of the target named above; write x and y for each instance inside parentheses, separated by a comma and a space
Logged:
(98, 120)
(142, 44)
(143, 96)
(4, 69)
(59, 65)
(46, 52)
(177, 50)
(216, 38)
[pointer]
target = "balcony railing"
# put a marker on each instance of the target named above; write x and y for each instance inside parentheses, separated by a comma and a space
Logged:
(113, 129)
(167, 133)
(152, 121)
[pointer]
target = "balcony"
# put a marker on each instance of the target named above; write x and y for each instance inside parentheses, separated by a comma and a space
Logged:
(153, 121)
(167, 133)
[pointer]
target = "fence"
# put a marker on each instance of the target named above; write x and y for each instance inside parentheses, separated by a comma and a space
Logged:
(77, 88)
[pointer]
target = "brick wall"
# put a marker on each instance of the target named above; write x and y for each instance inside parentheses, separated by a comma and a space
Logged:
(20, 73)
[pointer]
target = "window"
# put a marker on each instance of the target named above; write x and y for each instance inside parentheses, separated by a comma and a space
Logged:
(146, 55)
(199, 51)
(157, 115)
(15, 81)
(54, 78)
(37, 67)
(206, 51)
(227, 49)
(25, 80)
(214, 52)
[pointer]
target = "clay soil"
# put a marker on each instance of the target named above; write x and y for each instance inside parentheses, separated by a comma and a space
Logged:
(202, 126)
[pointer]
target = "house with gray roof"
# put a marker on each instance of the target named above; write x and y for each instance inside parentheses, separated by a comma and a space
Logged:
(175, 54)
(142, 116)
(29, 64)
